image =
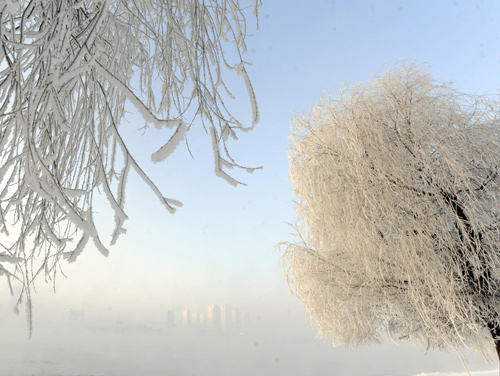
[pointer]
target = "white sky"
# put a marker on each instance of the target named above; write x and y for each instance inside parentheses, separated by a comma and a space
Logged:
(220, 247)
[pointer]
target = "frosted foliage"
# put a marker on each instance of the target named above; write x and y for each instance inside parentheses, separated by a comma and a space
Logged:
(67, 68)
(398, 200)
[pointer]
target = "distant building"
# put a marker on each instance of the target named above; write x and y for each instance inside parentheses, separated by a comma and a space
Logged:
(194, 318)
(236, 319)
(170, 319)
(226, 318)
(214, 316)
(236, 315)
(75, 315)
(186, 317)
(201, 318)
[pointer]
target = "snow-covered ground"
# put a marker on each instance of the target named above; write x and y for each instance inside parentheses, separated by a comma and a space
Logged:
(81, 348)
(480, 373)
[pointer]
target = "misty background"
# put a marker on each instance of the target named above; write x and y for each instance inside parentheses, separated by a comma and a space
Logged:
(109, 316)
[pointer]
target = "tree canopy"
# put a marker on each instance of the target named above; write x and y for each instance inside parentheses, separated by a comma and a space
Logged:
(67, 69)
(397, 190)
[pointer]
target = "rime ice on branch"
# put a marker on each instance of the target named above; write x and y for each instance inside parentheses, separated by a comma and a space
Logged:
(397, 190)
(65, 75)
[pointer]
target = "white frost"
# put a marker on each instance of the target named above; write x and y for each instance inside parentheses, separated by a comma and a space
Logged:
(251, 93)
(161, 154)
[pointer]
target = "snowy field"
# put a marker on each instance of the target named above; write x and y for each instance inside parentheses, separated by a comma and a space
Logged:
(264, 348)
(480, 373)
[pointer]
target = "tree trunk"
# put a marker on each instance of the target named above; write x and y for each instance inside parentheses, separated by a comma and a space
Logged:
(497, 345)
(495, 333)
(479, 284)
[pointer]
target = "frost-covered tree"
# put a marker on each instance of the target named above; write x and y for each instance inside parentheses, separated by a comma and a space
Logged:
(397, 190)
(67, 69)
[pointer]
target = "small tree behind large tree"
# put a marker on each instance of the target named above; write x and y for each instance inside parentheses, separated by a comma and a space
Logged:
(67, 69)
(398, 197)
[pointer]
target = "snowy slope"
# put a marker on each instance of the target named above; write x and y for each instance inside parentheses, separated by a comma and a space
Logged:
(480, 373)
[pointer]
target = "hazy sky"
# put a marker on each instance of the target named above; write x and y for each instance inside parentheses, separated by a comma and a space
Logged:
(220, 246)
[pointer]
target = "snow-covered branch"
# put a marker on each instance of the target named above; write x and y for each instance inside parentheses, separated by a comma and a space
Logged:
(66, 69)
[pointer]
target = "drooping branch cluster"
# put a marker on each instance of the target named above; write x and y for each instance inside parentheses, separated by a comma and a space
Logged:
(398, 199)
(67, 68)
